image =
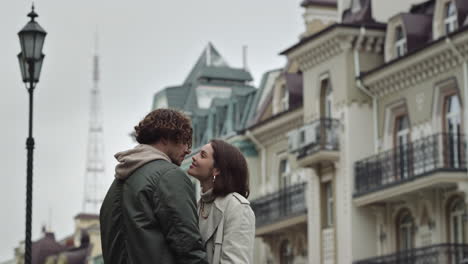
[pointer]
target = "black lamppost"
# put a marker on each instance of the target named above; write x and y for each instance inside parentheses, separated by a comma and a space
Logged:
(32, 38)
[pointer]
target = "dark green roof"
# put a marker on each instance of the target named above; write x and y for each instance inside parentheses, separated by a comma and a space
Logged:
(225, 73)
(209, 56)
(225, 116)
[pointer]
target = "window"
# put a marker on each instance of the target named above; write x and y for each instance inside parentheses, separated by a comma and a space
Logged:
(451, 19)
(402, 146)
(284, 98)
(457, 229)
(302, 137)
(326, 98)
(400, 43)
(284, 169)
(328, 197)
(405, 231)
(453, 136)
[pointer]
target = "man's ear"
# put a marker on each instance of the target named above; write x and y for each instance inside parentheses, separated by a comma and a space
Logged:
(164, 141)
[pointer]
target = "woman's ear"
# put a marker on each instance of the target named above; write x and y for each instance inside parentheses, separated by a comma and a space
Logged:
(216, 172)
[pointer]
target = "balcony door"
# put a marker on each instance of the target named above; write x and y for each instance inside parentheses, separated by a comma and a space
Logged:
(453, 140)
(405, 230)
(457, 228)
(402, 147)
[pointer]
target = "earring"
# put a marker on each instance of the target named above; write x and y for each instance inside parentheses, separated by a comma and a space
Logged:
(214, 178)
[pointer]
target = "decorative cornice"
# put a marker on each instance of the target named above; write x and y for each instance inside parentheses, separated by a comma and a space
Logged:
(334, 42)
(408, 72)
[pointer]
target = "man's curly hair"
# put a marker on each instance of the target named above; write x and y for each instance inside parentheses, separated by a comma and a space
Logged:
(164, 124)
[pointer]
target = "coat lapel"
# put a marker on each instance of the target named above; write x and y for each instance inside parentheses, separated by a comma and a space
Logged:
(216, 215)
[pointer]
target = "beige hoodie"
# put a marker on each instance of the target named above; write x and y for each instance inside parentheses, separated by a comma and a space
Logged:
(132, 159)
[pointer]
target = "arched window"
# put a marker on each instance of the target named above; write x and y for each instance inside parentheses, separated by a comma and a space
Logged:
(400, 43)
(402, 138)
(405, 231)
(452, 127)
(286, 253)
(451, 18)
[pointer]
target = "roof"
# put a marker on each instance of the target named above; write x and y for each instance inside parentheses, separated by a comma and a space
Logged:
(209, 69)
(45, 247)
(86, 216)
(262, 89)
(418, 29)
(462, 8)
(426, 8)
(176, 96)
(327, 3)
(209, 57)
(413, 53)
(76, 255)
(224, 73)
(294, 84)
(361, 17)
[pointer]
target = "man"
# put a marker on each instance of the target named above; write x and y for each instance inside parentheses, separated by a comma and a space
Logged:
(149, 213)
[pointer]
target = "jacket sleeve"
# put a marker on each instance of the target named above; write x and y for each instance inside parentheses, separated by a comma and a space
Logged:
(239, 235)
(175, 209)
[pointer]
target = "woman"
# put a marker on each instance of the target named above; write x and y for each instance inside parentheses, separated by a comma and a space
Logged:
(226, 221)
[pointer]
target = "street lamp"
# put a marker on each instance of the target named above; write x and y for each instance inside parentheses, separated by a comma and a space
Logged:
(32, 38)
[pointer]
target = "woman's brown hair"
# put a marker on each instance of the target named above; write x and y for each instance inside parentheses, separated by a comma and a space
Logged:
(234, 173)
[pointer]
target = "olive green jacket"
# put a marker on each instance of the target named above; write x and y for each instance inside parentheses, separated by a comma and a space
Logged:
(149, 213)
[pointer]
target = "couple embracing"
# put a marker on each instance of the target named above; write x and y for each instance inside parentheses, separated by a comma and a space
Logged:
(149, 214)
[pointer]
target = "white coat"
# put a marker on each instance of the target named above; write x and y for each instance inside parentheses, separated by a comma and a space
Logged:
(234, 218)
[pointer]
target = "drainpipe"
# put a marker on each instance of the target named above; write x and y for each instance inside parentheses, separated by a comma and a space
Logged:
(262, 160)
(464, 61)
(360, 85)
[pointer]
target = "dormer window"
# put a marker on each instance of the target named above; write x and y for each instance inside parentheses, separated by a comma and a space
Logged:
(356, 6)
(400, 43)
(451, 19)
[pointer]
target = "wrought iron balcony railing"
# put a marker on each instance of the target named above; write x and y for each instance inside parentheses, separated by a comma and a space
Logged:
(436, 254)
(321, 134)
(438, 152)
(283, 204)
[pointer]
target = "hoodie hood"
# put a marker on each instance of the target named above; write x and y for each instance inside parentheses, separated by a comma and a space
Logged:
(132, 159)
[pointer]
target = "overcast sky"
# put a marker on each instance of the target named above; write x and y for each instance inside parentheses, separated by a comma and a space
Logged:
(144, 46)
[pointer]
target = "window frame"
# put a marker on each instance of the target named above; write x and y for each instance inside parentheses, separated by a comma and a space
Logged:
(450, 19)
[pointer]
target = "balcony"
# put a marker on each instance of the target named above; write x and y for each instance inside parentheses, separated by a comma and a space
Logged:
(281, 209)
(438, 159)
(436, 254)
(316, 143)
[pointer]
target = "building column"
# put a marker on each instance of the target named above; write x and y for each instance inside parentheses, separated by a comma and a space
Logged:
(313, 216)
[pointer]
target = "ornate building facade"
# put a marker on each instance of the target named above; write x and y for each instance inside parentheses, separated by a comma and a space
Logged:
(356, 147)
